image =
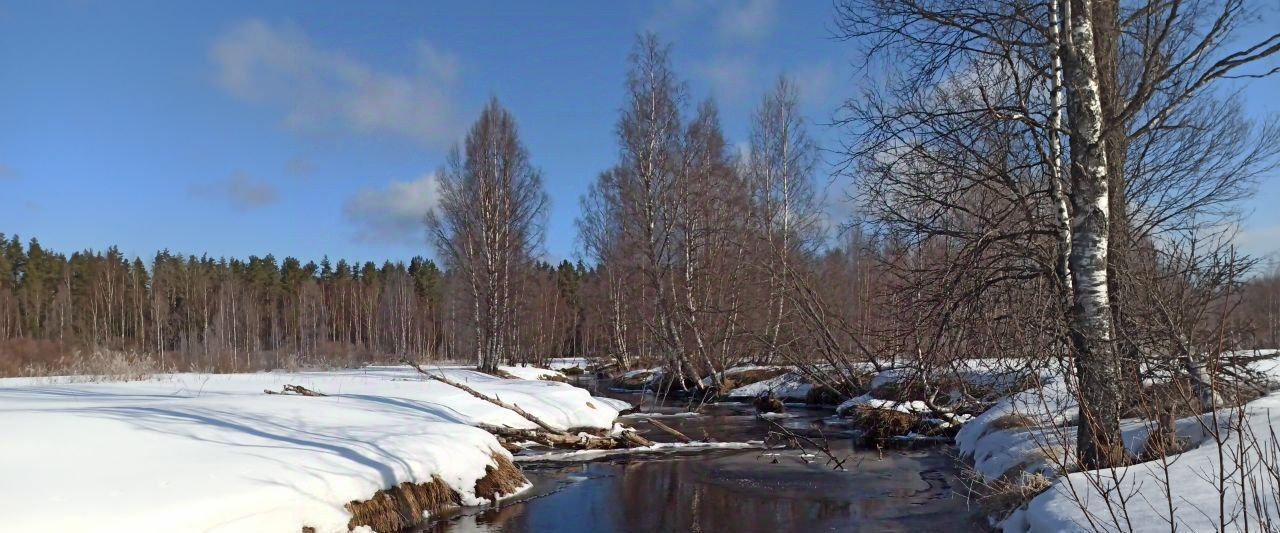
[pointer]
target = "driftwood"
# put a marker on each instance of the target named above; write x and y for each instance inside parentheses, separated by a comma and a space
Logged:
(669, 430)
(495, 401)
(581, 441)
(296, 389)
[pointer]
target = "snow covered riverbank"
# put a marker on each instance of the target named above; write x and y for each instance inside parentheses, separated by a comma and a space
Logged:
(210, 452)
(1223, 474)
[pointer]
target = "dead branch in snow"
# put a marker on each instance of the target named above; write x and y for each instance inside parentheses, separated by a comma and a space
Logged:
(495, 401)
(547, 435)
(295, 389)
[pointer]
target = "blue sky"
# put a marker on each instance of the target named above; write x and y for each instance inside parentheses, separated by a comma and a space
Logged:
(312, 128)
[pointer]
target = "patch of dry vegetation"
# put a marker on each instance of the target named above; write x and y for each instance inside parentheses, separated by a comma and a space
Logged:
(1001, 497)
(878, 425)
(401, 507)
(1011, 421)
(755, 375)
(98, 366)
(500, 480)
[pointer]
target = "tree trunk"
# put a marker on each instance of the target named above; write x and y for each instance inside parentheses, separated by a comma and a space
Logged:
(1099, 443)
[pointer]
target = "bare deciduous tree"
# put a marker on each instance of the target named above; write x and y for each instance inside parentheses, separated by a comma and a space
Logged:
(488, 224)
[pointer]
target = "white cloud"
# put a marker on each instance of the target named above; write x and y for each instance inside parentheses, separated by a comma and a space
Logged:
(239, 190)
(746, 21)
(7, 173)
(731, 78)
(328, 90)
(816, 82)
(394, 213)
(734, 21)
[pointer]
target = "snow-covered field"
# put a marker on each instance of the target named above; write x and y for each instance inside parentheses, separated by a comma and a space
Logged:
(207, 452)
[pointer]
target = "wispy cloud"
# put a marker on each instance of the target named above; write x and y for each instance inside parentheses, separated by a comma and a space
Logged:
(395, 213)
(324, 90)
(746, 21)
(731, 78)
(241, 191)
(299, 167)
(7, 173)
(816, 81)
(734, 21)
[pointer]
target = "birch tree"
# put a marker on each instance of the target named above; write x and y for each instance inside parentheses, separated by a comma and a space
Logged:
(488, 225)
(1127, 70)
(779, 169)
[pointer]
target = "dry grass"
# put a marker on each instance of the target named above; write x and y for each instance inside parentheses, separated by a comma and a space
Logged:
(1012, 421)
(98, 366)
(880, 424)
(401, 507)
(500, 480)
(768, 403)
(823, 395)
(1003, 496)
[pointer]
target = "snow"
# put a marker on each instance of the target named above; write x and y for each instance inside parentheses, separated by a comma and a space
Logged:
(531, 373)
(1086, 500)
(1076, 499)
(789, 386)
(616, 404)
(660, 447)
(204, 452)
(685, 414)
(866, 400)
(562, 363)
(708, 381)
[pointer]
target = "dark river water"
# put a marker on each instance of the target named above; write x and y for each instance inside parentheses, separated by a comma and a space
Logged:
(734, 490)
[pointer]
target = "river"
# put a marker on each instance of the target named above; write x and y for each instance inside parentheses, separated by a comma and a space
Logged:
(734, 490)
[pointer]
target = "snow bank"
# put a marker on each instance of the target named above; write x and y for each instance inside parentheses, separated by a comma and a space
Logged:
(789, 386)
(734, 371)
(201, 452)
(1034, 431)
(1076, 503)
(531, 373)
(562, 363)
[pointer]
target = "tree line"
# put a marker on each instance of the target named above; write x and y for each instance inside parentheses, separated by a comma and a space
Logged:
(202, 313)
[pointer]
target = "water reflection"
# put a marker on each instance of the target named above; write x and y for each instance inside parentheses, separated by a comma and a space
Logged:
(735, 490)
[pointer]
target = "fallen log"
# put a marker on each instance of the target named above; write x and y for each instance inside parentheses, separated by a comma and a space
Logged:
(496, 401)
(670, 431)
(295, 389)
(581, 441)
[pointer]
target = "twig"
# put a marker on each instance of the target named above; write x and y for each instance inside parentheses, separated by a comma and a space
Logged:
(795, 440)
